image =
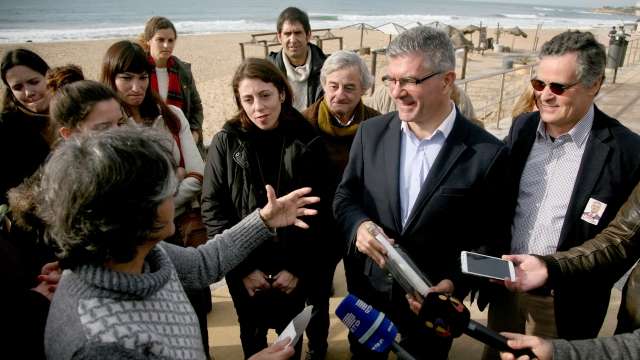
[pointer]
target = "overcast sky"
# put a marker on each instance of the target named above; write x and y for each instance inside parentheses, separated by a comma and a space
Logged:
(582, 3)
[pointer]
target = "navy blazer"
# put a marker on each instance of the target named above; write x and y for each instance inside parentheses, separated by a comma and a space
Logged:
(609, 171)
(461, 205)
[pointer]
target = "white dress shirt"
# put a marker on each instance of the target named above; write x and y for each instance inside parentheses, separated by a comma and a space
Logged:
(416, 158)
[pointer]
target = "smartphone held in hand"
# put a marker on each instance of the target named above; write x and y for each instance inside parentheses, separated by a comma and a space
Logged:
(486, 266)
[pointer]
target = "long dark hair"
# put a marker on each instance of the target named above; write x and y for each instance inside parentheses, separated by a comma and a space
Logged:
(126, 56)
(15, 58)
(266, 71)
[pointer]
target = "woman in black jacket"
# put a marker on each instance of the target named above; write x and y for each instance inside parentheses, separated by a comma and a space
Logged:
(268, 142)
(26, 136)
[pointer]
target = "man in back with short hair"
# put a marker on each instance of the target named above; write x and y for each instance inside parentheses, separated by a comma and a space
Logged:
(298, 59)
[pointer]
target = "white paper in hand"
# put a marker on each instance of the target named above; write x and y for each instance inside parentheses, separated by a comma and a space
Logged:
(297, 326)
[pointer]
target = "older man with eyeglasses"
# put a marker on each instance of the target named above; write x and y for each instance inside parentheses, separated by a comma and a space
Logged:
(565, 159)
(429, 178)
(336, 116)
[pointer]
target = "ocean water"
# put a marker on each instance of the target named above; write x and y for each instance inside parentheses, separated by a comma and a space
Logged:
(62, 20)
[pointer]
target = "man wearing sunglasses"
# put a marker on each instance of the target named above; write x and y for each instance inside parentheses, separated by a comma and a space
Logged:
(421, 173)
(564, 158)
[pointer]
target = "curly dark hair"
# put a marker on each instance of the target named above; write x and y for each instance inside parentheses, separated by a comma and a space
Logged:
(100, 193)
(60, 76)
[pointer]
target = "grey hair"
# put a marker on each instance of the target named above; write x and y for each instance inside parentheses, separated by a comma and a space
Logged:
(100, 193)
(433, 44)
(344, 59)
(591, 54)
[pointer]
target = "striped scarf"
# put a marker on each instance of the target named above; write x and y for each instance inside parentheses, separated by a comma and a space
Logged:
(174, 93)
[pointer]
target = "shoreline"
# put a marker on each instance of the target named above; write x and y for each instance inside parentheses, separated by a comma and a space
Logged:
(492, 26)
(214, 58)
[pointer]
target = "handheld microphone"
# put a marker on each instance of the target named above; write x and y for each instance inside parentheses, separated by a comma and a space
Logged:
(371, 327)
(448, 317)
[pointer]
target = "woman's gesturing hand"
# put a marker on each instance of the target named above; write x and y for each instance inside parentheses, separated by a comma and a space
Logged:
(286, 210)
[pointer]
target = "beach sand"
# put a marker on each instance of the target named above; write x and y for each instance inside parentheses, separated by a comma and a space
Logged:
(214, 58)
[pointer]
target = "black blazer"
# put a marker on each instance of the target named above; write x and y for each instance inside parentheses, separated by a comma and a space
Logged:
(460, 205)
(609, 171)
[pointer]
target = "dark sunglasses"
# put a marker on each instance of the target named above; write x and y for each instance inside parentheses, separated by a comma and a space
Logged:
(556, 88)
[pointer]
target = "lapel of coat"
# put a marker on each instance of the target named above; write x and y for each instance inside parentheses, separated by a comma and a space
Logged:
(451, 150)
(391, 150)
(591, 166)
(524, 135)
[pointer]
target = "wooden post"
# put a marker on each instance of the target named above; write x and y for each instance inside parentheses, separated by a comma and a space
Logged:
(535, 38)
(627, 56)
(242, 51)
(464, 63)
(530, 71)
(374, 61)
(500, 101)
(266, 50)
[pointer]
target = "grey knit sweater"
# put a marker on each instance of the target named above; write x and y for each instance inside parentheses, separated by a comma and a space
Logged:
(100, 313)
(619, 347)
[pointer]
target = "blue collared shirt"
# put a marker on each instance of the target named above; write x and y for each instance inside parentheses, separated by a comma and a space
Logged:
(416, 158)
(546, 186)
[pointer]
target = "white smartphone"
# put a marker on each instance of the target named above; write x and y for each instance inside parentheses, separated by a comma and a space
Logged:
(487, 266)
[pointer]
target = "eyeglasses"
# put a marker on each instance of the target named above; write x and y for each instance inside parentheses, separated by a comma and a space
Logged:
(389, 81)
(556, 88)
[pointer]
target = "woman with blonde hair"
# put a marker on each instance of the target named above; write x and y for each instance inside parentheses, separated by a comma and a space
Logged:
(525, 103)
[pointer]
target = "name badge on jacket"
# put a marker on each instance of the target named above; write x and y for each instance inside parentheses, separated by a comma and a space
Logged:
(593, 211)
